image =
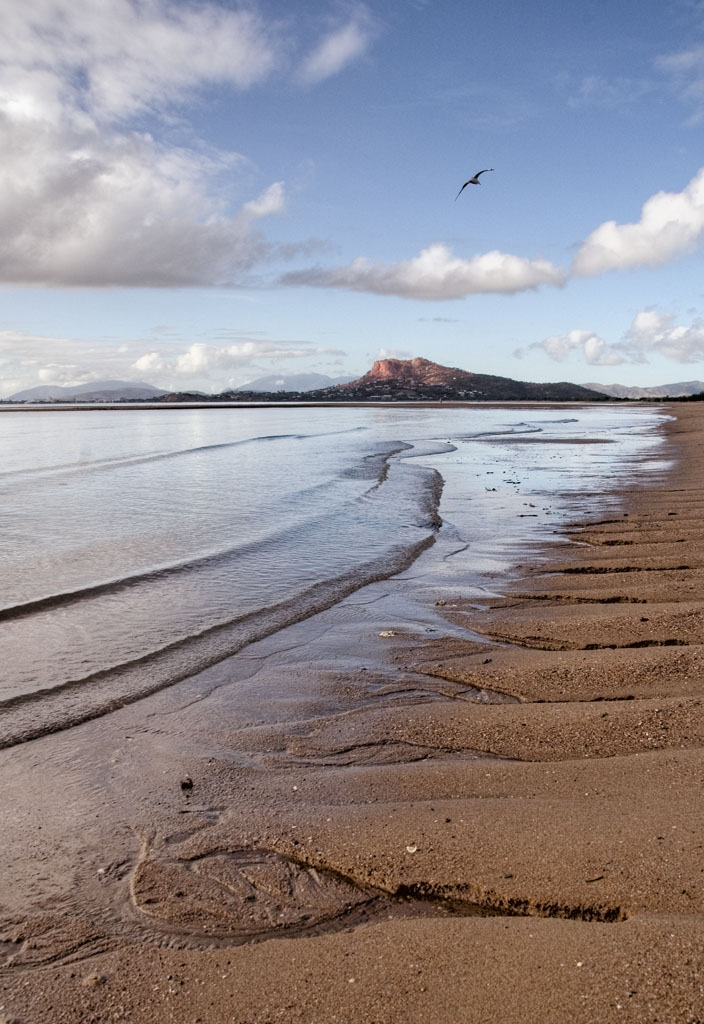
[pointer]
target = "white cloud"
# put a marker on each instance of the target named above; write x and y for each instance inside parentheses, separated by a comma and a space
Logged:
(55, 373)
(392, 353)
(651, 334)
(612, 93)
(272, 200)
(594, 350)
(686, 70)
(115, 208)
(437, 320)
(117, 57)
(339, 48)
(658, 333)
(85, 200)
(435, 274)
(202, 358)
(671, 224)
(150, 362)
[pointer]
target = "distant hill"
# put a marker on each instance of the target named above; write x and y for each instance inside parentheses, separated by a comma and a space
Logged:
(408, 379)
(680, 390)
(95, 391)
(293, 382)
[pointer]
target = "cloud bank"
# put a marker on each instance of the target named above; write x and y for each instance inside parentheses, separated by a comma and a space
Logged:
(87, 208)
(27, 360)
(87, 200)
(651, 334)
(201, 359)
(435, 274)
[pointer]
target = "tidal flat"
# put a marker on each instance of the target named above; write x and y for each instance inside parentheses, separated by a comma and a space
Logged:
(464, 794)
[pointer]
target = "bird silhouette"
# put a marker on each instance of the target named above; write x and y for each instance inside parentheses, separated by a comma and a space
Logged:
(473, 181)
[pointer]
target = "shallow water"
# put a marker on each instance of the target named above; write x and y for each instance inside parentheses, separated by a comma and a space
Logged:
(138, 547)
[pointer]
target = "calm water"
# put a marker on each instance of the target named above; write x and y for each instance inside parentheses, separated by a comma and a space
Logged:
(140, 546)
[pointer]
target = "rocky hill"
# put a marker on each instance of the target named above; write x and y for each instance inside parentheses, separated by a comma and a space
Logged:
(421, 379)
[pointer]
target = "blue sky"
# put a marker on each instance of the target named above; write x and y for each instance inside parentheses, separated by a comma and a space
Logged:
(198, 194)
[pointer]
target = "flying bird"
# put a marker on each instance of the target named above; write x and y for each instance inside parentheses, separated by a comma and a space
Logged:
(473, 181)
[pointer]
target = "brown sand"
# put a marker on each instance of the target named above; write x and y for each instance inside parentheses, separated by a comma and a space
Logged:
(508, 830)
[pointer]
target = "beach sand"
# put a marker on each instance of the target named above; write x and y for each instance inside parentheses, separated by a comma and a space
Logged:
(501, 822)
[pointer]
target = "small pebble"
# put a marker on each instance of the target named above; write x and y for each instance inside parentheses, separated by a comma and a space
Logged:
(93, 979)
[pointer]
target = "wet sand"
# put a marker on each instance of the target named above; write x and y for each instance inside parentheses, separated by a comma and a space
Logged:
(498, 820)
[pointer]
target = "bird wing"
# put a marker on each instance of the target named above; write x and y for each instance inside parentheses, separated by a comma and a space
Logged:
(474, 180)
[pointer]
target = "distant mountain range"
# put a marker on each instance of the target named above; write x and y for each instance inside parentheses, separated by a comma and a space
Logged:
(294, 382)
(681, 390)
(125, 391)
(95, 391)
(388, 380)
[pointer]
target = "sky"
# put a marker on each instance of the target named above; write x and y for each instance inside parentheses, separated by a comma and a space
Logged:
(197, 194)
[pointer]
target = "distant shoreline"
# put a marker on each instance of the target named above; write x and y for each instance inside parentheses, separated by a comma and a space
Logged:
(423, 404)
